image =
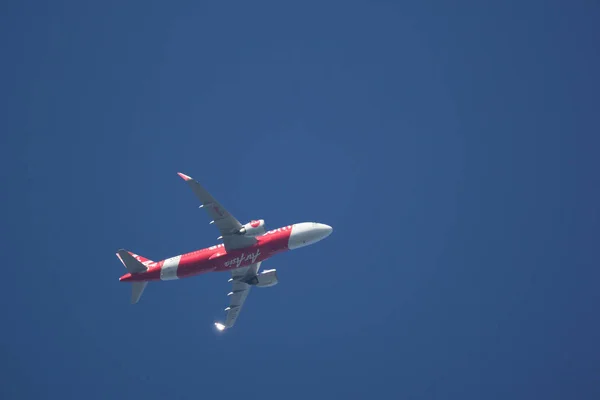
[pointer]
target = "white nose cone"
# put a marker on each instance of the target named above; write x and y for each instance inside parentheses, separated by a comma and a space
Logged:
(307, 233)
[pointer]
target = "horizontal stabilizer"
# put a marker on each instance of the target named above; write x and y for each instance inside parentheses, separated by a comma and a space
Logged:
(137, 289)
(141, 259)
(132, 265)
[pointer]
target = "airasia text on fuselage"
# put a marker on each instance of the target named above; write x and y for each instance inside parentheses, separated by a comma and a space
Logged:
(242, 258)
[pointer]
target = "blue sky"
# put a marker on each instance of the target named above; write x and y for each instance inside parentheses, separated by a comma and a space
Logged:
(452, 146)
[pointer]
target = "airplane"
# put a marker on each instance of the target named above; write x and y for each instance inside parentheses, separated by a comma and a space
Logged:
(242, 252)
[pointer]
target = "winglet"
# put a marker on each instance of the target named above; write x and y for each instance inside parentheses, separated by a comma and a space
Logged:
(184, 176)
(220, 326)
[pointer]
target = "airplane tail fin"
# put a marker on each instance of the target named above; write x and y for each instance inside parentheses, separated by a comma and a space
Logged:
(133, 262)
(134, 265)
(141, 259)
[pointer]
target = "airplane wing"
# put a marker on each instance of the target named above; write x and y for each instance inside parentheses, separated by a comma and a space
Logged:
(238, 294)
(225, 222)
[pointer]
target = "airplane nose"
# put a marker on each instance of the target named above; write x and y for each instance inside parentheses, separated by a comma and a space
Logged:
(324, 230)
(306, 233)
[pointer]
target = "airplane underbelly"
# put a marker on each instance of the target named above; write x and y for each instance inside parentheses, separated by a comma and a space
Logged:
(190, 266)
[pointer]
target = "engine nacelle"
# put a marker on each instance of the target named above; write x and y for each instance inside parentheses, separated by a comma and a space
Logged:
(253, 228)
(267, 278)
(264, 279)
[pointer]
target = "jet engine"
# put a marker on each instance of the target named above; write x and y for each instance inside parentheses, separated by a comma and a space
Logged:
(264, 279)
(253, 228)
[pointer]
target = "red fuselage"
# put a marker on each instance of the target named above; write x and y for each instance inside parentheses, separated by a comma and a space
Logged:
(215, 258)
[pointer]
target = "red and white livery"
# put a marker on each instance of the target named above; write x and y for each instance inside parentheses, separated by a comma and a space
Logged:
(243, 250)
